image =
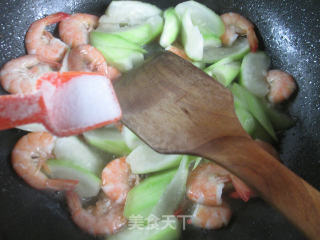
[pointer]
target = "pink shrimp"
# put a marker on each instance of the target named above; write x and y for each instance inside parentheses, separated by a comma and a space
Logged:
(21, 74)
(42, 43)
(75, 30)
(235, 25)
(29, 156)
(117, 180)
(206, 182)
(211, 217)
(282, 85)
(106, 217)
(88, 58)
(178, 50)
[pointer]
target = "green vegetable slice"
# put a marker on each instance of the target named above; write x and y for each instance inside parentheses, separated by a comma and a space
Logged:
(175, 191)
(74, 150)
(192, 39)
(236, 52)
(224, 71)
(171, 28)
(143, 160)
(129, 12)
(253, 105)
(89, 183)
(131, 140)
(108, 139)
(108, 41)
(143, 197)
(203, 17)
(254, 69)
(158, 231)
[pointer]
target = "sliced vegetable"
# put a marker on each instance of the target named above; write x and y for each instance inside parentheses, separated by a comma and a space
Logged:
(203, 17)
(224, 71)
(122, 59)
(199, 64)
(144, 159)
(139, 34)
(143, 197)
(210, 40)
(129, 12)
(175, 191)
(192, 39)
(254, 69)
(251, 103)
(108, 40)
(279, 120)
(158, 231)
(89, 183)
(251, 125)
(171, 28)
(74, 150)
(130, 138)
(236, 52)
(108, 139)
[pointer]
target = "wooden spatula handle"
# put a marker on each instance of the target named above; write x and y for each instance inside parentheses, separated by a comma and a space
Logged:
(275, 183)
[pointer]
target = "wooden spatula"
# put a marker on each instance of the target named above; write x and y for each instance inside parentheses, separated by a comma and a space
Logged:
(176, 108)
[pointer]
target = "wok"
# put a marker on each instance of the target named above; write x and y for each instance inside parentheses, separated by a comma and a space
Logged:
(288, 31)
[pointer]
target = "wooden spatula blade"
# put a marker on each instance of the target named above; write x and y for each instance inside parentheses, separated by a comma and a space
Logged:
(168, 103)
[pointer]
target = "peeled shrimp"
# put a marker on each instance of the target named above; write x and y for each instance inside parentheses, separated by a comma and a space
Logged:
(75, 30)
(29, 156)
(41, 42)
(117, 180)
(235, 25)
(209, 217)
(88, 58)
(21, 74)
(206, 182)
(106, 217)
(282, 85)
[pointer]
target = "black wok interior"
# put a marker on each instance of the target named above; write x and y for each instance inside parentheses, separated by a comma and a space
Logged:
(289, 32)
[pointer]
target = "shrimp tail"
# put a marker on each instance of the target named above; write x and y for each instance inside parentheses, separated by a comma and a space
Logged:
(242, 190)
(61, 184)
(253, 40)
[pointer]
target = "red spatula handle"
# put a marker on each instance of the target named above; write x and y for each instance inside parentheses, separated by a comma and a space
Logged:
(17, 110)
(275, 183)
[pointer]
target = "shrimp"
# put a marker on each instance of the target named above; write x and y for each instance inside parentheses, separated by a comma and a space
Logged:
(282, 85)
(211, 217)
(41, 42)
(117, 180)
(88, 58)
(29, 156)
(235, 25)
(206, 182)
(21, 74)
(75, 30)
(106, 217)
(178, 50)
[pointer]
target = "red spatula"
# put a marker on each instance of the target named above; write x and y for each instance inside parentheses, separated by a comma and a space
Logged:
(66, 104)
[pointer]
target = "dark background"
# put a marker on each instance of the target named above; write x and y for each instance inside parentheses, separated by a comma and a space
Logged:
(289, 32)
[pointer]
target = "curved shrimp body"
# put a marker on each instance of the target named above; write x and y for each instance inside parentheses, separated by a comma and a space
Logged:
(205, 184)
(75, 30)
(117, 180)
(235, 25)
(282, 85)
(41, 42)
(21, 74)
(211, 217)
(88, 58)
(29, 156)
(105, 217)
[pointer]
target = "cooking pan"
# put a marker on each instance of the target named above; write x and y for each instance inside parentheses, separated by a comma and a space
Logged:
(289, 32)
